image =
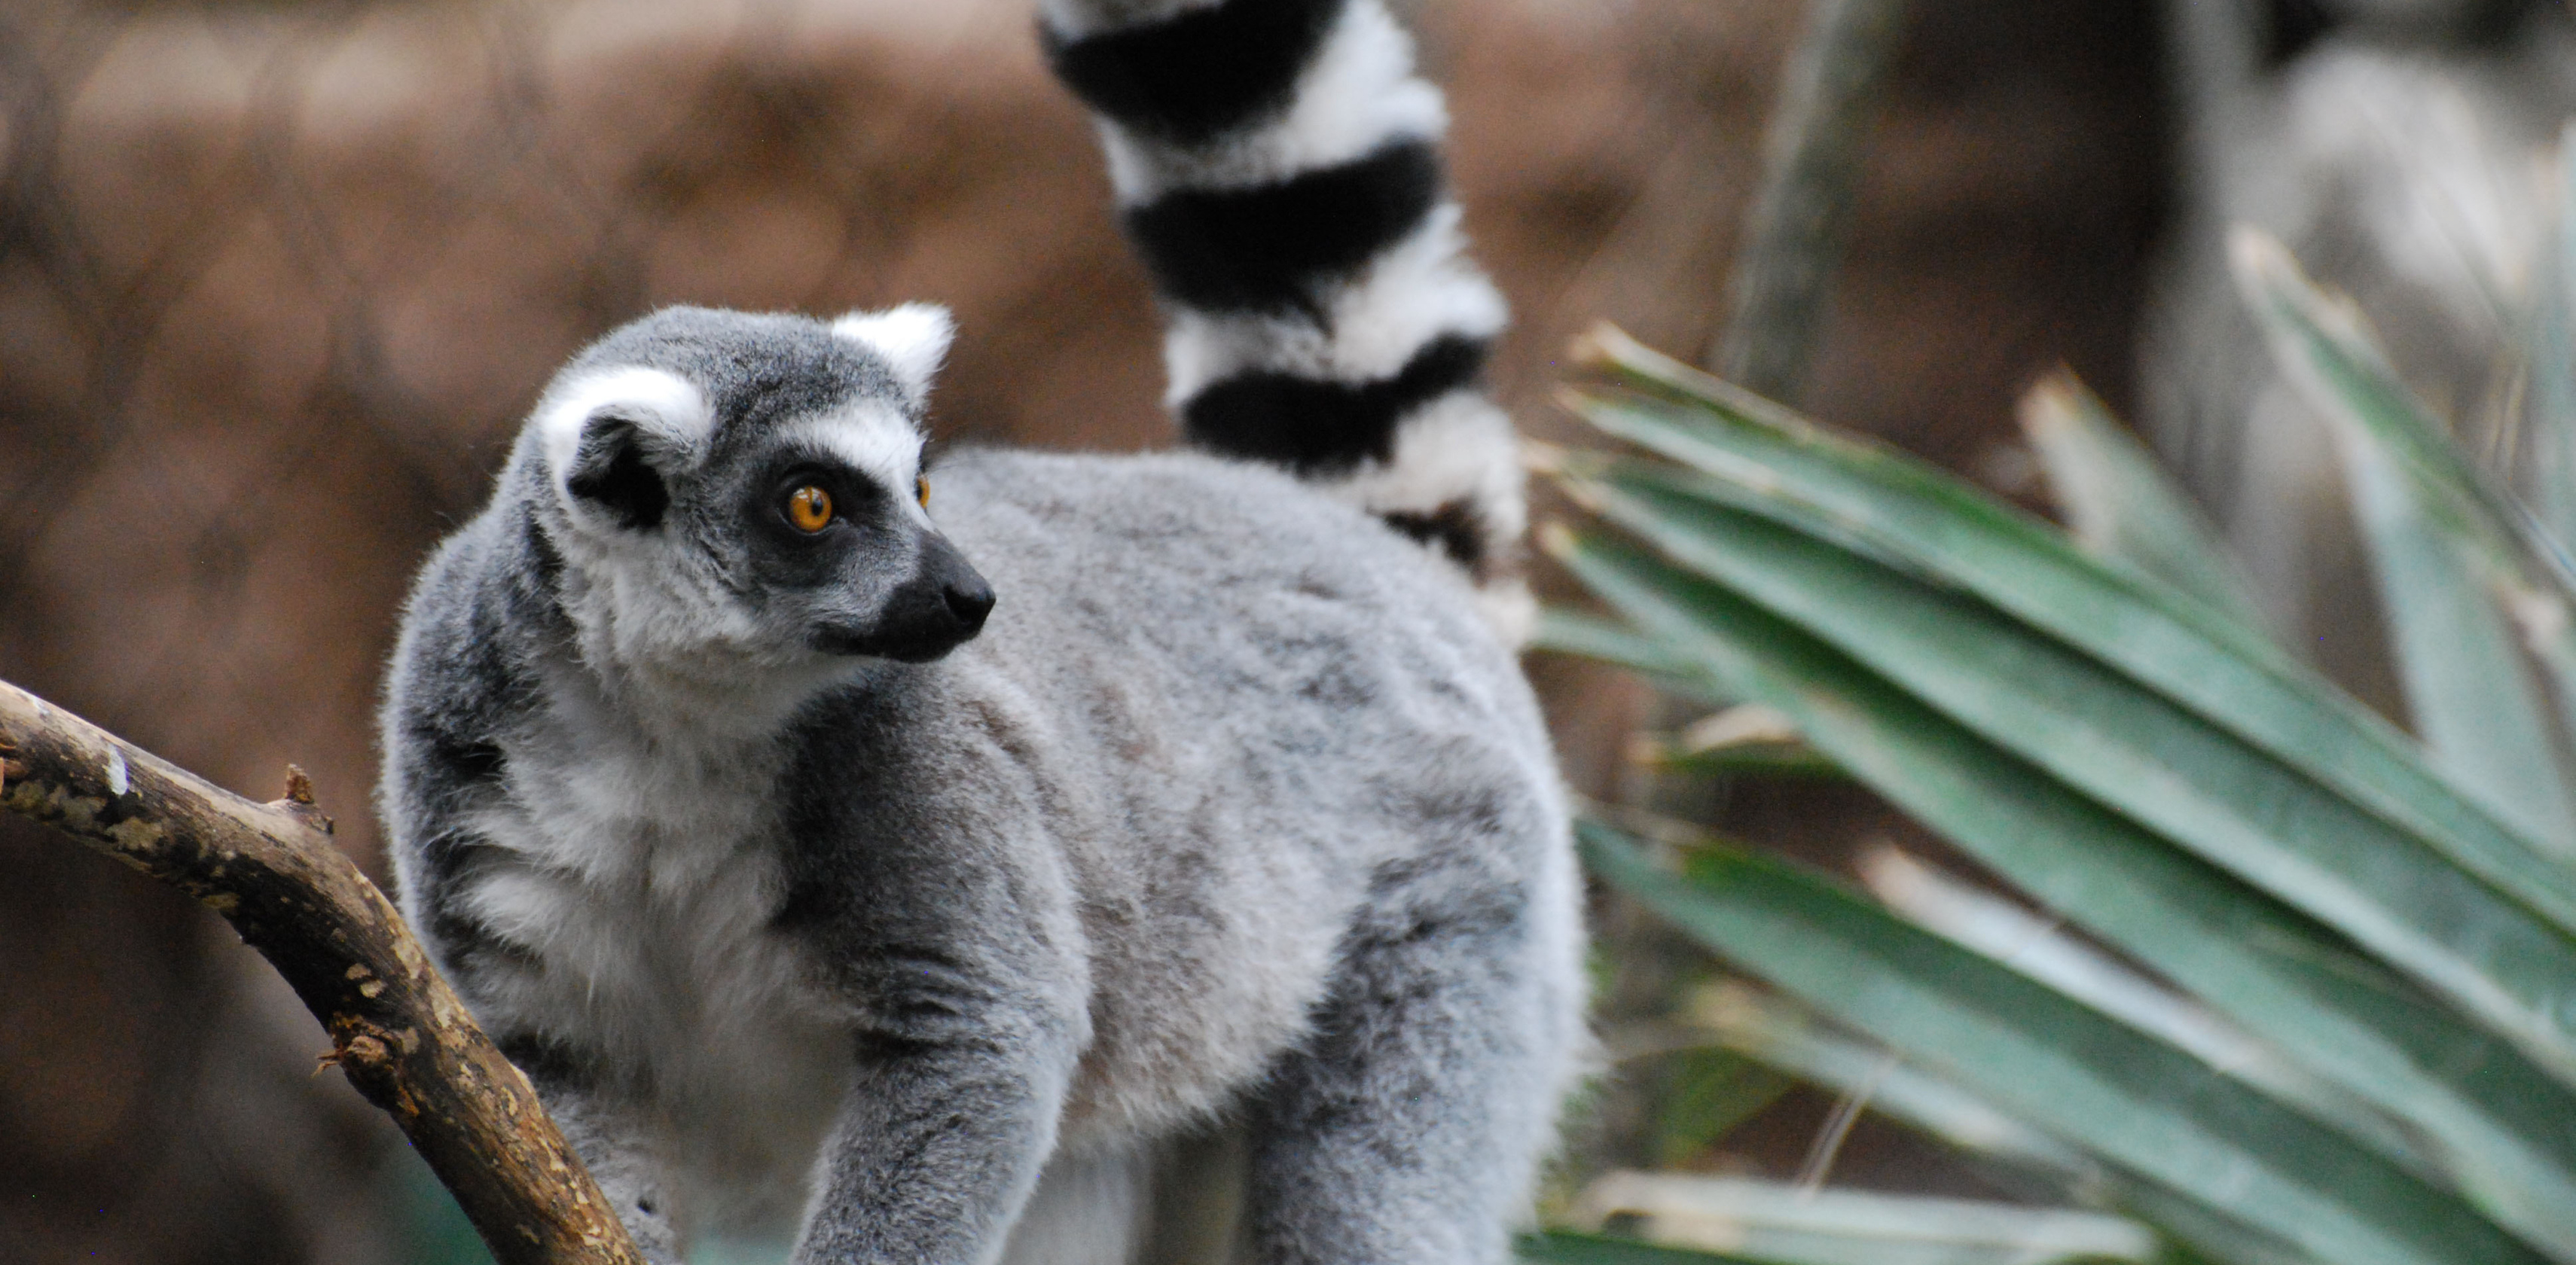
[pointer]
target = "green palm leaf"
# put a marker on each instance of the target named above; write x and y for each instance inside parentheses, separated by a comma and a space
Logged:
(2454, 553)
(2510, 1129)
(2143, 1106)
(2121, 506)
(1898, 512)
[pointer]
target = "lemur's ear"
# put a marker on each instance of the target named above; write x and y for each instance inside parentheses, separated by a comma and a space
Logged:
(610, 470)
(615, 438)
(913, 339)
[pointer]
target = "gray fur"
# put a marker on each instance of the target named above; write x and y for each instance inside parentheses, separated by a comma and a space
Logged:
(1236, 828)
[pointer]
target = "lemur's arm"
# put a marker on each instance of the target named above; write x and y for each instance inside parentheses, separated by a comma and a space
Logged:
(1277, 165)
(954, 943)
(952, 1114)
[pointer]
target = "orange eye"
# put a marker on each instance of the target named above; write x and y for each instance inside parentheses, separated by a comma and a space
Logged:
(921, 490)
(809, 508)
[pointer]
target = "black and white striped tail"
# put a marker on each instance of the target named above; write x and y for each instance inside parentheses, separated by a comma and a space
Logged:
(1277, 163)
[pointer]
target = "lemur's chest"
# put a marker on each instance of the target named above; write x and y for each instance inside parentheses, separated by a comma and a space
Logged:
(643, 892)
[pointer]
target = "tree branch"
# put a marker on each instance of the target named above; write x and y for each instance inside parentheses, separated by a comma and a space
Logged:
(399, 1034)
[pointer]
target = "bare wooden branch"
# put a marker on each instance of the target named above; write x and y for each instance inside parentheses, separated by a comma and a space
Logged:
(399, 1034)
(1811, 161)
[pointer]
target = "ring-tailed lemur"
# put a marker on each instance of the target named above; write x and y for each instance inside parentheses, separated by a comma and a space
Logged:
(1226, 869)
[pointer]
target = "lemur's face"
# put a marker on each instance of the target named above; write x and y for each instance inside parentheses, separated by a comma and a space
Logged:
(735, 487)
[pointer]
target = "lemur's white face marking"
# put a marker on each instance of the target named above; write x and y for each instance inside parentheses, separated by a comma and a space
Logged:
(913, 338)
(875, 440)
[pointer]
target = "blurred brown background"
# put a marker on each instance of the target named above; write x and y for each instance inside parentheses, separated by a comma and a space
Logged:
(277, 281)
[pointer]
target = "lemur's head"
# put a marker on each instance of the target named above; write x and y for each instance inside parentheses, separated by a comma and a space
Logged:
(729, 489)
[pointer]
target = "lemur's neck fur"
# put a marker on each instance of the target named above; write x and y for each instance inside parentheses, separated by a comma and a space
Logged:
(708, 706)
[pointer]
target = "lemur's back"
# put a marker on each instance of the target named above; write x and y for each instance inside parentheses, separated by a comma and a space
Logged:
(1226, 590)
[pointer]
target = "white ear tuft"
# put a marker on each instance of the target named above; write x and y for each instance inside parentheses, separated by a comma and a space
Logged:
(913, 338)
(655, 400)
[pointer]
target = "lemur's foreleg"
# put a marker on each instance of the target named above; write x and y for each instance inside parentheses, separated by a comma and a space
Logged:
(959, 959)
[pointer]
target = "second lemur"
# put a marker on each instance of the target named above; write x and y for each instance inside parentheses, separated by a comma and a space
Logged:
(1042, 858)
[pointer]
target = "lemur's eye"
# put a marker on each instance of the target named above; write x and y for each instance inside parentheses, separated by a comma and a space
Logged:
(921, 490)
(809, 508)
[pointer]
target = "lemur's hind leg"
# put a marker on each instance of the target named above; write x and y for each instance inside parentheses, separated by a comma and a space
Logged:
(1404, 1131)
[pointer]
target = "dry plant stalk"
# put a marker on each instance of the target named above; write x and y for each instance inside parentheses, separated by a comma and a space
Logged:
(1812, 151)
(400, 1035)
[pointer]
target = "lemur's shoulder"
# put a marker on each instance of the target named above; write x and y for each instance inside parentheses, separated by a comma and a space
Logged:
(482, 602)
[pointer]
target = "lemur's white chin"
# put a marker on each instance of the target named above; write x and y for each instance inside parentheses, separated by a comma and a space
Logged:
(712, 692)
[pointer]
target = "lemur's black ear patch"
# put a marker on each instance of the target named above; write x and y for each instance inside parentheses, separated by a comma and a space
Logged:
(609, 469)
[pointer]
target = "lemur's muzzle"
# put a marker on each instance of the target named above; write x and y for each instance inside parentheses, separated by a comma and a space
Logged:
(937, 610)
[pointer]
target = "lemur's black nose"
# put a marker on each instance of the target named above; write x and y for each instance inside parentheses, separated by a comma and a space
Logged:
(970, 601)
(941, 607)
